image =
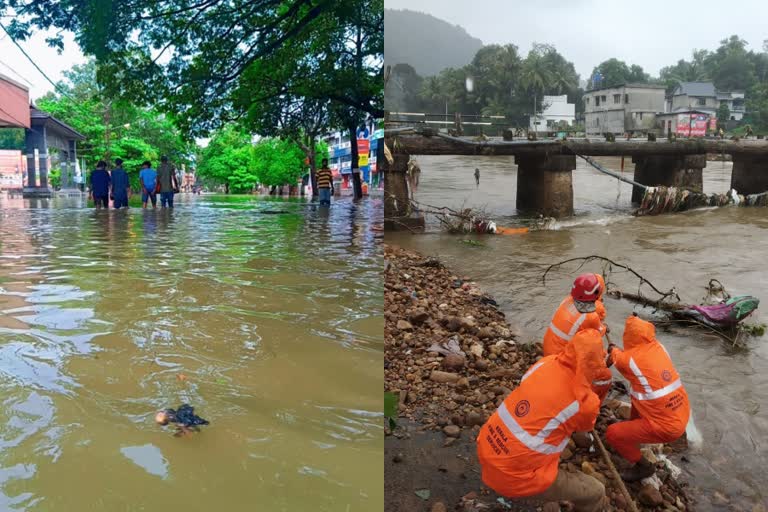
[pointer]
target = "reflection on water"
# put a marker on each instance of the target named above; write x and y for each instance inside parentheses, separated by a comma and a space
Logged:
(264, 315)
(728, 387)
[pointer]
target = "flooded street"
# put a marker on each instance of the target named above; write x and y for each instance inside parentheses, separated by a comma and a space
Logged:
(728, 387)
(264, 315)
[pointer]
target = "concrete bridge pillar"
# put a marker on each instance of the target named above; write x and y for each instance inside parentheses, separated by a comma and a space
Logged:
(397, 203)
(749, 174)
(545, 184)
(684, 171)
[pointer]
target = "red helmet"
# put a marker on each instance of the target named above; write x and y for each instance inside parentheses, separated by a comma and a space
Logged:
(586, 288)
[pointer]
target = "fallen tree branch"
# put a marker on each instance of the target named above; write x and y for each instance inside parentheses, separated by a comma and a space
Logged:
(586, 259)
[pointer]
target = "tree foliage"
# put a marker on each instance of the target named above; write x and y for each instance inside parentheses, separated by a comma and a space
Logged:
(616, 72)
(113, 129)
(233, 160)
(499, 81)
(189, 56)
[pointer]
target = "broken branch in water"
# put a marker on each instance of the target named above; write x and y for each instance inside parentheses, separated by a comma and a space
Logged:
(586, 259)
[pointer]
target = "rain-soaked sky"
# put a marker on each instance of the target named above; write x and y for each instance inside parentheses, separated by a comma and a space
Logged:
(651, 33)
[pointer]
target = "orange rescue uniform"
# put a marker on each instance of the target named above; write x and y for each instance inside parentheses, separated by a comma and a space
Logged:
(660, 408)
(519, 446)
(566, 323)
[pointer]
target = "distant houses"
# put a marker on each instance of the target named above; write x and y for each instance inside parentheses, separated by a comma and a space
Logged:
(622, 108)
(703, 97)
(691, 109)
(555, 111)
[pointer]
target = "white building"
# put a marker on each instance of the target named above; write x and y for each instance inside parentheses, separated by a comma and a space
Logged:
(554, 110)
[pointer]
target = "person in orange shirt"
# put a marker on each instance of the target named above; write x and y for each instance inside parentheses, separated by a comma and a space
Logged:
(575, 313)
(660, 408)
(519, 446)
(582, 309)
(599, 306)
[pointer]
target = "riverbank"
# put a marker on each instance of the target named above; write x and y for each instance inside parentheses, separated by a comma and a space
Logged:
(431, 316)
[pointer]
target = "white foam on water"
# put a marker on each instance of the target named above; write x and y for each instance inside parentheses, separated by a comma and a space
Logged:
(695, 439)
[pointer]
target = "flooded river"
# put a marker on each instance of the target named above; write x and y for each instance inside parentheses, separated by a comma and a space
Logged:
(264, 315)
(728, 387)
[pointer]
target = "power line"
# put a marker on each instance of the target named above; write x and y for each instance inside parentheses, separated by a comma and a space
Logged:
(58, 89)
(16, 73)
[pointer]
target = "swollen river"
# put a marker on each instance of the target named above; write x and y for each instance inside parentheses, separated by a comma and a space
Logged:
(728, 387)
(266, 316)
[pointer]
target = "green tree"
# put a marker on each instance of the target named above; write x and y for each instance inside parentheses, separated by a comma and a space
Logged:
(12, 138)
(723, 114)
(188, 56)
(113, 129)
(228, 154)
(616, 72)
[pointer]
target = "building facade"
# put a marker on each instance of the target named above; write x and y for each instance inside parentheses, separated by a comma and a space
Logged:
(555, 110)
(340, 157)
(703, 97)
(625, 108)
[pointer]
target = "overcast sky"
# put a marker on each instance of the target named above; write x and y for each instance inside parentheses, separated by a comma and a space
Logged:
(15, 65)
(651, 33)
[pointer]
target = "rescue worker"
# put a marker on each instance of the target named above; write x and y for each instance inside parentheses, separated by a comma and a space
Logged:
(599, 306)
(660, 408)
(576, 312)
(519, 446)
(581, 310)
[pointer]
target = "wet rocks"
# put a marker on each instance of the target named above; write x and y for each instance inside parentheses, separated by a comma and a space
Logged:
(443, 377)
(404, 325)
(582, 439)
(453, 362)
(438, 507)
(452, 430)
(650, 496)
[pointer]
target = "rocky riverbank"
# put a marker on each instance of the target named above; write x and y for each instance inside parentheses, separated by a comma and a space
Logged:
(452, 358)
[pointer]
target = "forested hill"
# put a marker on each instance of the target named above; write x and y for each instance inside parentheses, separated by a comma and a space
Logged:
(427, 43)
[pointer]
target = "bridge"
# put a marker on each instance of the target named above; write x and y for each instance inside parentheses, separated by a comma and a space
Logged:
(544, 167)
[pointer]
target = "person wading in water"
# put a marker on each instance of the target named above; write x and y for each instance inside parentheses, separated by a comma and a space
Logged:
(477, 177)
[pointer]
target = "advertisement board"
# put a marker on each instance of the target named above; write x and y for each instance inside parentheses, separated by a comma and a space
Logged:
(692, 125)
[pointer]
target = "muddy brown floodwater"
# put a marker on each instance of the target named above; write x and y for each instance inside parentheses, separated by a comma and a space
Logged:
(264, 315)
(728, 387)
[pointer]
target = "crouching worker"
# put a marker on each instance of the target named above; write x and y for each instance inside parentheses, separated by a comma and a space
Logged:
(577, 312)
(660, 408)
(582, 309)
(519, 446)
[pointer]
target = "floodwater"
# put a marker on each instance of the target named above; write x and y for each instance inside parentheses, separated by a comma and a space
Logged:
(728, 387)
(264, 315)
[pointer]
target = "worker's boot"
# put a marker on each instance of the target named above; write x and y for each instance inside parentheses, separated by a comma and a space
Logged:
(643, 469)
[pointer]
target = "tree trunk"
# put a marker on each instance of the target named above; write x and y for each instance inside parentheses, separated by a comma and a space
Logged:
(357, 184)
(226, 188)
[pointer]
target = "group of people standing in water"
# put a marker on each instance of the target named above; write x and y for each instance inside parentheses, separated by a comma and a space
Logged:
(115, 186)
(519, 446)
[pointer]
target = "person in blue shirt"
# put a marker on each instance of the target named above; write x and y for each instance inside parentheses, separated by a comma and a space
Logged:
(121, 188)
(148, 180)
(100, 182)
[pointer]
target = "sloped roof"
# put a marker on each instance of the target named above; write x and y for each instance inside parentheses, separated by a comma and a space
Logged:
(60, 127)
(696, 89)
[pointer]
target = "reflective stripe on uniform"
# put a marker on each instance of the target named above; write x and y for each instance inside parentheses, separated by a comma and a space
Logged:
(572, 332)
(601, 382)
(636, 370)
(659, 393)
(536, 443)
(531, 370)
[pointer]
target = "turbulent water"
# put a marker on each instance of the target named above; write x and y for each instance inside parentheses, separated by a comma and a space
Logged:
(728, 387)
(266, 316)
